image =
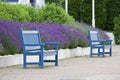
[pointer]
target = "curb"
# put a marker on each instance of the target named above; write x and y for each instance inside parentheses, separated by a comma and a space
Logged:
(16, 59)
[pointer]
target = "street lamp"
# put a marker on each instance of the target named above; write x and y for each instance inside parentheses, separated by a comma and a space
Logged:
(66, 6)
(93, 13)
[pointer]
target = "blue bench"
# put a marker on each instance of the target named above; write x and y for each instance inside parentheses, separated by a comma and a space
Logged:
(100, 45)
(32, 46)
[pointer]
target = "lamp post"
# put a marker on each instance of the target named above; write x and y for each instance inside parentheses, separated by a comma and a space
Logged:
(93, 13)
(66, 6)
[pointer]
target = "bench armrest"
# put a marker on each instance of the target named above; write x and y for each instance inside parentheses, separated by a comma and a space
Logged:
(41, 44)
(51, 43)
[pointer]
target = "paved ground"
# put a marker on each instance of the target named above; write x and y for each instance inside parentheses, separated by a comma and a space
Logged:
(78, 68)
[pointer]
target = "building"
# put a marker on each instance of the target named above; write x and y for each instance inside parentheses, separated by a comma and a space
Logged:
(35, 3)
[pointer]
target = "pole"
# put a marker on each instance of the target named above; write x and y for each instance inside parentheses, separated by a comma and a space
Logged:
(93, 13)
(66, 6)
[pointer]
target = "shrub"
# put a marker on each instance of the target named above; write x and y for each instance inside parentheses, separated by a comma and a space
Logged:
(32, 12)
(117, 29)
(18, 12)
(69, 37)
(4, 15)
(84, 27)
(75, 9)
(113, 10)
(58, 2)
(53, 13)
(1, 48)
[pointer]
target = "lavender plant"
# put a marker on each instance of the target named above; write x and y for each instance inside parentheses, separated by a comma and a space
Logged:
(68, 36)
(85, 27)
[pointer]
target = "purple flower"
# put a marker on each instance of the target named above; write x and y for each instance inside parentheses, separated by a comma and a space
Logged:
(68, 36)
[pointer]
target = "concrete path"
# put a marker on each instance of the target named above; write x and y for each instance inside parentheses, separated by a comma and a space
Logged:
(77, 68)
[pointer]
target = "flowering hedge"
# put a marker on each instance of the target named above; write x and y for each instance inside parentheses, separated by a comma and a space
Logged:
(85, 27)
(69, 37)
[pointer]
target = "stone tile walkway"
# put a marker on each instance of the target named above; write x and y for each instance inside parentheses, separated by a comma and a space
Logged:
(77, 68)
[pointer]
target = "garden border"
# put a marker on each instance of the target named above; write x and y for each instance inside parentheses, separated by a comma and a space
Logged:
(16, 59)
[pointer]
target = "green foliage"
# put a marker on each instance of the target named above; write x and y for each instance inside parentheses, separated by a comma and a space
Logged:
(32, 12)
(81, 10)
(77, 25)
(105, 11)
(113, 10)
(100, 14)
(3, 12)
(82, 43)
(9, 49)
(18, 12)
(117, 29)
(6, 48)
(75, 9)
(58, 2)
(53, 13)
(1, 48)
(72, 45)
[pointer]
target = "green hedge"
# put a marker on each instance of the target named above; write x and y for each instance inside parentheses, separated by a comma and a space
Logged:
(74, 9)
(53, 13)
(117, 29)
(58, 2)
(23, 13)
(18, 12)
(105, 11)
(113, 10)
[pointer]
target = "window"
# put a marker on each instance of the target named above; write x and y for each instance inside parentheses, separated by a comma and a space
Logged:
(32, 2)
(10, 0)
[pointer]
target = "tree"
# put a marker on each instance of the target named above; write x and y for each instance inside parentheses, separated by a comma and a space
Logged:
(58, 2)
(74, 9)
(113, 10)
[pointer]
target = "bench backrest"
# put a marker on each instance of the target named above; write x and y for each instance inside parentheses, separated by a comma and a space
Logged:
(93, 36)
(30, 37)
